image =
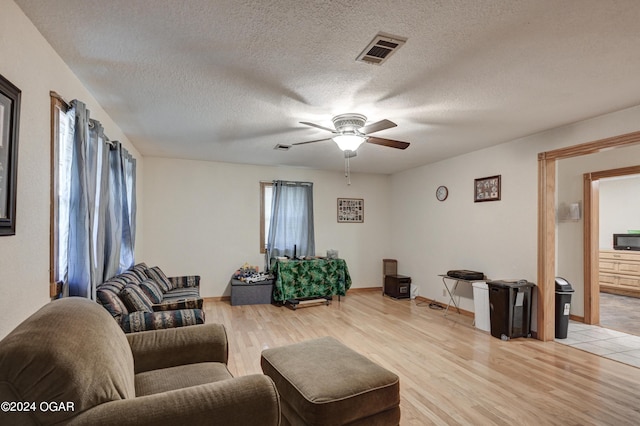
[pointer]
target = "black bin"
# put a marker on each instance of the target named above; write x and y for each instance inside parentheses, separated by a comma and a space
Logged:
(563, 305)
(510, 308)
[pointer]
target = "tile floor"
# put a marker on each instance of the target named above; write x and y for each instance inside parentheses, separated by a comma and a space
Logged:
(607, 343)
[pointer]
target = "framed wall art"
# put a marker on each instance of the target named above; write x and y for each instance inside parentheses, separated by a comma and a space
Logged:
(350, 210)
(487, 189)
(9, 124)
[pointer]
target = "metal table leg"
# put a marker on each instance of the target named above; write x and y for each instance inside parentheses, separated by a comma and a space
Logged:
(451, 294)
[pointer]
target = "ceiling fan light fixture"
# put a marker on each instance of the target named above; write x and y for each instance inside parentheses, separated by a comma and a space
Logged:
(349, 142)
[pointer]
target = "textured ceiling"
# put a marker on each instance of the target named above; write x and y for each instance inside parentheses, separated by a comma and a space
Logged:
(228, 80)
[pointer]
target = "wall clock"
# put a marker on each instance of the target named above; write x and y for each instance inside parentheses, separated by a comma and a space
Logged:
(442, 193)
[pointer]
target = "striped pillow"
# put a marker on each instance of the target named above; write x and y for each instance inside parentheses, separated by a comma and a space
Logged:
(160, 278)
(139, 270)
(152, 290)
(135, 299)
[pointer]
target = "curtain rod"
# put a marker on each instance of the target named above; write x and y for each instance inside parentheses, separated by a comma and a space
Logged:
(290, 182)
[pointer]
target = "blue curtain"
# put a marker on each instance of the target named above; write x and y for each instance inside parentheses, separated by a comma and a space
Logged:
(291, 224)
(87, 205)
(120, 221)
(101, 209)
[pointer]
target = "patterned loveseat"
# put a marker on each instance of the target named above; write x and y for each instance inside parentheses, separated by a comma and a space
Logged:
(144, 298)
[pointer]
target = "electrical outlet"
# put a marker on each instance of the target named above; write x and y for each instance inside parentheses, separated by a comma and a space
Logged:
(444, 292)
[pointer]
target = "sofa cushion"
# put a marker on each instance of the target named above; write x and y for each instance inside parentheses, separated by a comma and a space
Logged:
(182, 293)
(156, 274)
(69, 350)
(135, 299)
(152, 290)
(172, 305)
(107, 295)
(181, 376)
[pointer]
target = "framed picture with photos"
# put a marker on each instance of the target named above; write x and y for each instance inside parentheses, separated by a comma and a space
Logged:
(350, 210)
(487, 189)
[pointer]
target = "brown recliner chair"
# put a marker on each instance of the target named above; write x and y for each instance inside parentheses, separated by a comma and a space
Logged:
(70, 363)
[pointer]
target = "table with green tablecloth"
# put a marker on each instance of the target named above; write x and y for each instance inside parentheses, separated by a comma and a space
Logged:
(308, 278)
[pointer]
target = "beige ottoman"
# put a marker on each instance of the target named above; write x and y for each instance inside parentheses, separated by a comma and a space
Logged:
(323, 382)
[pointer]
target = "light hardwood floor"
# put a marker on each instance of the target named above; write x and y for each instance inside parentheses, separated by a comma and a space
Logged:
(450, 372)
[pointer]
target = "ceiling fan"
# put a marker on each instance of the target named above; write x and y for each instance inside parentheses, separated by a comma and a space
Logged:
(350, 132)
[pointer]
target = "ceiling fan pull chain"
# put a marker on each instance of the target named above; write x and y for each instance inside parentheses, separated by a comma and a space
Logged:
(347, 169)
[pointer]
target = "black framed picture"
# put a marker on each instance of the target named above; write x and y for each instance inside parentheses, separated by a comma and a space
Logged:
(487, 189)
(9, 124)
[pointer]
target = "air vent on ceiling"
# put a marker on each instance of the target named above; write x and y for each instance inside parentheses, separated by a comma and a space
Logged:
(282, 147)
(381, 48)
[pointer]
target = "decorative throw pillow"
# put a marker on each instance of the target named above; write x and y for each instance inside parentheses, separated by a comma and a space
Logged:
(152, 290)
(135, 299)
(139, 269)
(130, 277)
(160, 278)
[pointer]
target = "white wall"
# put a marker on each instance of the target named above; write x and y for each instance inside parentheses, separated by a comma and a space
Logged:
(498, 238)
(30, 63)
(204, 218)
(619, 207)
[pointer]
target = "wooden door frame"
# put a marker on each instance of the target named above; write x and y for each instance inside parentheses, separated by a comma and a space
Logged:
(547, 225)
(591, 188)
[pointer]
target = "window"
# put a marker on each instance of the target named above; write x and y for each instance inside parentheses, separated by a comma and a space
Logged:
(266, 191)
(62, 122)
(93, 203)
(291, 230)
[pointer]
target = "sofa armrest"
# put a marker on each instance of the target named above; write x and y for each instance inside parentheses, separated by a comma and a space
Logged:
(248, 400)
(185, 281)
(139, 321)
(178, 346)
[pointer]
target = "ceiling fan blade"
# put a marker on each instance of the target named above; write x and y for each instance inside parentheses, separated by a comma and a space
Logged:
(317, 140)
(318, 126)
(377, 126)
(388, 142)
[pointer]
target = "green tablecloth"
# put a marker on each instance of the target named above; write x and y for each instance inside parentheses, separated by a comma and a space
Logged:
(296, 279)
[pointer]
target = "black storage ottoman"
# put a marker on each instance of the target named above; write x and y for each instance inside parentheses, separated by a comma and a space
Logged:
(258, 293)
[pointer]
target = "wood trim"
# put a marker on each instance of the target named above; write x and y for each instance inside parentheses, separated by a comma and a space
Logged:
(364, 289)
(57, 104)
(546, 248)
(594, 147)
(546, 222)
(623, 171)
(590, 248)
(216, 299)
(576, 318)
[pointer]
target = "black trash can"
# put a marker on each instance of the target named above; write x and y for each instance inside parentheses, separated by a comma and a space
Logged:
(510, 308)
(563, 305)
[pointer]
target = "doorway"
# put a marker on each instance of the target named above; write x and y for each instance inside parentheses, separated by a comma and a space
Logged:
(547, 226)
(614, 308)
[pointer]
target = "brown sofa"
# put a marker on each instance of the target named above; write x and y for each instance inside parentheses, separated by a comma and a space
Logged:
(70, 363)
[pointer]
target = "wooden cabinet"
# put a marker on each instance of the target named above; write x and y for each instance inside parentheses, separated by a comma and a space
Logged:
(620, 272)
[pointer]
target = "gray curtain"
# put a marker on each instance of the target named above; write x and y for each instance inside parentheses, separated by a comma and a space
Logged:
(87, 205)
(291, 220)
(121, 212)
(102, 208)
